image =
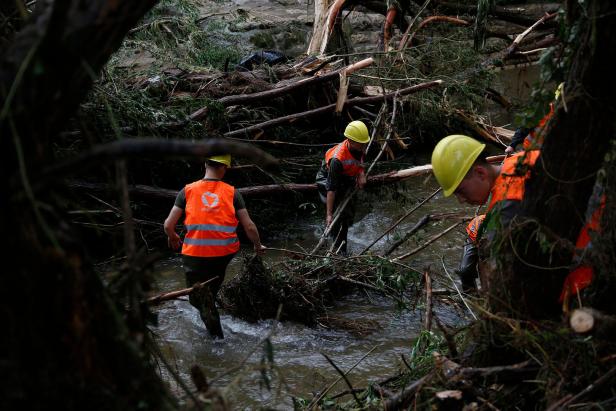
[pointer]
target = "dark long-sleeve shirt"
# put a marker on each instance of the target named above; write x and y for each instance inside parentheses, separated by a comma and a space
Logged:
(519, 136)
(333, 179)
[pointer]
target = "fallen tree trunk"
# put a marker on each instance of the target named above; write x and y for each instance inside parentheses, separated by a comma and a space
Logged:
(322, 110)
(279, 91)
(256, 191)
(265, 190)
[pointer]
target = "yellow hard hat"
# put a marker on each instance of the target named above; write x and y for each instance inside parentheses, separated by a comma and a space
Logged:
(222, 159)
(559, 91)
(357, 131)
(452, 157)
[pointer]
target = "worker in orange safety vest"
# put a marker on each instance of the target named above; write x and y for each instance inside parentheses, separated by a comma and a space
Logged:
(460, 167)
(341, 171)
(212, 210)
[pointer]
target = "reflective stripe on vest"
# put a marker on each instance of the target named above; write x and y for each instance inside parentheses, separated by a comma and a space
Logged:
(350, 166)
(509, 185)
(210, 220)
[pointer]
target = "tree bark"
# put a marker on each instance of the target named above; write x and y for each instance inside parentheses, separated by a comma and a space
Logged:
(558, 191)
(65, 343)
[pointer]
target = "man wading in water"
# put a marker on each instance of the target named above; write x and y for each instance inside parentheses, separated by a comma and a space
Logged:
(342, 170)
(212, 211)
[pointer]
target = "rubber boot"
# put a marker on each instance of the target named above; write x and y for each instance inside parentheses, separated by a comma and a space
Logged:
(210, 316)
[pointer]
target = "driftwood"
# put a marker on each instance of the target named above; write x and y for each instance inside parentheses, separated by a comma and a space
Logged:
(315, 402)
(492, 134)
(591, 321)
(246, 99)
(422, 222)
(153, 147)
(319, 28)
(329, 108)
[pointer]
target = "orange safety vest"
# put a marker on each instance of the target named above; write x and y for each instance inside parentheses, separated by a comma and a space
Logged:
(210, 220)
(509, 185)
(350, 166)
(581, 277)
(534, 139)
(473, 227)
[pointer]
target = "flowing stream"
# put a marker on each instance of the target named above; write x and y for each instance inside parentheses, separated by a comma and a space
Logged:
(300, 368)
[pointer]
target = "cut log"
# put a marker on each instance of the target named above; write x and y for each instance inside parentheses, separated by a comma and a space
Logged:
(591, 321)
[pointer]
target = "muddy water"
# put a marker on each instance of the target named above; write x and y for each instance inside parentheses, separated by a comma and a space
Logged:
(300, 368)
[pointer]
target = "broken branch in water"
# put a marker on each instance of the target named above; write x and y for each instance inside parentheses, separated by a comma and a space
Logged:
(344, 377)
(178, 293)
(427, 243)
(399, 221)
(324, 392)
